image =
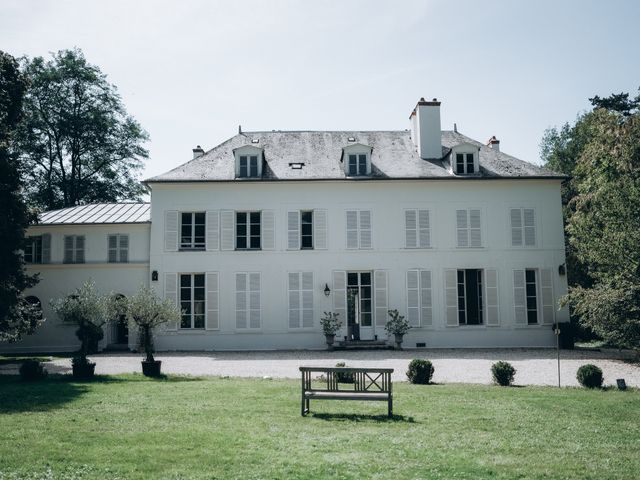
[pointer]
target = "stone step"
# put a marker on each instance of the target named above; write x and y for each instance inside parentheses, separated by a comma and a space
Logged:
(362, 345)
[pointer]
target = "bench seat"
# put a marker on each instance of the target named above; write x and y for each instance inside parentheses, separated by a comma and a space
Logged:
(347, 395)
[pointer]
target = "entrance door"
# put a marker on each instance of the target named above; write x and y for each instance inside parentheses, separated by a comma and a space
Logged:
(122, 331)
(359, 305)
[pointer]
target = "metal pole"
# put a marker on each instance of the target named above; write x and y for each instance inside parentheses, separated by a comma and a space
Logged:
(558, 351)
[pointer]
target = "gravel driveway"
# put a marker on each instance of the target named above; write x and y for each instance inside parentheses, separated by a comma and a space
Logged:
(534, 366)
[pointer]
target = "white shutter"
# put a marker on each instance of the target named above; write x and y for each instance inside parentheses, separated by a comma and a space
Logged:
(519, 297)
(294, 299)
(293, 230)
(426, 302)
(213, 230)
(79, 257)
(461, 228)
(451, 297)
(411, 228)
(112, 248)
(241, 300)
(365, 228)
(320, 229)
(171, 293)
(213, 301)
(254, 300)
(268, 240)
(546, 292)
(413, 298)
(352, 229)
(424, 229)
(529, 227)
(68, 249)
(307, 299)
(227, 222)
(516, 227)
(171, 231)
(46, 248)
(381, 286)
(475, 237)
(340, 295)
(124, 248)
(491, 297)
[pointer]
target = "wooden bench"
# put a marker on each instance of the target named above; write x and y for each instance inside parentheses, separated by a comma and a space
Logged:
(372, 384)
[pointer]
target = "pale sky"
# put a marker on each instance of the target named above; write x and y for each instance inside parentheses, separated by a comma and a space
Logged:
(192, 71)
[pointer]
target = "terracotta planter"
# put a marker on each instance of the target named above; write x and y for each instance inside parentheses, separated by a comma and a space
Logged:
(84, 371)
(151, 369)
(398, 341)
(330, 339)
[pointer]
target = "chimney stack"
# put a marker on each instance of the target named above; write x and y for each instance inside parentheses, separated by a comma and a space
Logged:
(425, 128)
(494, 143)
(198, 151)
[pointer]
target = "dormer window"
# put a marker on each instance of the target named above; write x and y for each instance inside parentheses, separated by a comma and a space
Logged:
(356, 159)
(357, 164)
(465, 163)
(248, 166)
(248, 161)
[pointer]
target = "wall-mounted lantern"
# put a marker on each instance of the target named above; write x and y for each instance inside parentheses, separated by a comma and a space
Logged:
(327, 290)
(154, 276)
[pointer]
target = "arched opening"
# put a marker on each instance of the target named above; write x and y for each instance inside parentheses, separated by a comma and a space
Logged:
(120, 329)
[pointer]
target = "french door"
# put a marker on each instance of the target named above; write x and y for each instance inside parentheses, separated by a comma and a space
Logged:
(360, 324)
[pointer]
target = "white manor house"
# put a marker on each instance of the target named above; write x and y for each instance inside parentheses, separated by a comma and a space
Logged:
(259, 236)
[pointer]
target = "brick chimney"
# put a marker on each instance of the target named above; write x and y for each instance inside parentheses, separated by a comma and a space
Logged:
(425, 128)
(198, 151)
(494, 143)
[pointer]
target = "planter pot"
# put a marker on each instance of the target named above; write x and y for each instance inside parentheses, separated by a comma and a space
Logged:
(330, 339)
(398, 341)
(151, 369)
(84, 371)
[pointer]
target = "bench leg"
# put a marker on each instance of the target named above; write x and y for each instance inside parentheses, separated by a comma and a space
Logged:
(390, 413)
(304, 407)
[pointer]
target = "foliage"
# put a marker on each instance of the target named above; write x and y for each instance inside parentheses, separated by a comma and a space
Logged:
(113, 423)
(32, 370)
(78, 143)
(344, 377)
(589, 376)
(85, 308)
(398, 325)
(420, 371)
(17, 316)
(330, 323)
(147, 311)
(503, 373)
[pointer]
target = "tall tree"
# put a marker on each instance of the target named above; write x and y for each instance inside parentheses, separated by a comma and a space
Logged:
(78, 143)
(17, 316)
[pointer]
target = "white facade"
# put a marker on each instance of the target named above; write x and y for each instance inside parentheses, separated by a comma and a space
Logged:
(471, 261)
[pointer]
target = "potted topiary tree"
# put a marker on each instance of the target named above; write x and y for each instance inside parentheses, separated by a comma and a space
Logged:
(330, 324)
(87, 309)
(398, 326)
(148, 311)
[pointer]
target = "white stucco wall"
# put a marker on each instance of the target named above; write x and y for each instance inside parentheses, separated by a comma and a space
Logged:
(387, 201)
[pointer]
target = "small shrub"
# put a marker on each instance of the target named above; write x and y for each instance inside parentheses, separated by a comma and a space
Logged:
(344, 377)
(503, 373)
(420, 371)
(32, 370)
(590, 376)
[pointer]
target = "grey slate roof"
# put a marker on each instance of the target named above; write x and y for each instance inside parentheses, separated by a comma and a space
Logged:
(394, 156)
(98, 213)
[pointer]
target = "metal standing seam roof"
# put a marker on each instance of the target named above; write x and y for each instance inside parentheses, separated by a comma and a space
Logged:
(98, 213)
(393, 156)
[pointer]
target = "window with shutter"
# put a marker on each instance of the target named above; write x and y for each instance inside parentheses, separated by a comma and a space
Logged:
(213, 230)
(293, 230)
(468, 228)
(381, 291)
(118, 248)
(249, 230)
(213, 301)
(519, 297)
(523, 227)
(171, 231)
(320, 229)
(359, 234)
(192, 300)
(470, 296)
(417, 229)
(227, 230)
(451, 297)
(300, 290)
(46, 248)
(248, 303)
(33, 249)
(73, 249)
(339, 294)
(192, 230)
(171, 294)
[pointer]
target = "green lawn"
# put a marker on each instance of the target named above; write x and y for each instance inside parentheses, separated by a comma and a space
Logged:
(133, 427)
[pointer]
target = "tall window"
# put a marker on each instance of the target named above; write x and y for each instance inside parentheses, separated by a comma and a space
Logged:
(417, 231)
(192, 300)
(523, 227)
(465, 163)
(468, 232)
(532, 297)
(306, 229)
(192, 228)
(248, 166)
(300, 299)
(359, 229)
(248, 226)
(118, 248)
(74, 249)
(357, 164)
(33, 250)
(470, 301)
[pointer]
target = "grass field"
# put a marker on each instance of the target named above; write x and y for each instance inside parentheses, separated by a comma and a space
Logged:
(180, 428)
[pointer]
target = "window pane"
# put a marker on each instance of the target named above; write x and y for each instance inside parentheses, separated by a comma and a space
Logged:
(365, 278)
(530, 275)
(352, 279)
(306, 217)
(198, 321)
(470, 165)
(255, 229)
(185, 280)
(255, 242)
(531, 289)
(254, 167)
(186, 219)
(241, 217)
(255, 217)
(198, 280)
(185, 307)
(241, 229)
(306, 241)
(362, 165)
(185, 322)
(532, 317)
(241, 242)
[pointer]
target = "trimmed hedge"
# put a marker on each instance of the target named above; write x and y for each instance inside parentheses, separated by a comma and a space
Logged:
(590, 376)
(32, 370)
(503, 373)
(420, 371)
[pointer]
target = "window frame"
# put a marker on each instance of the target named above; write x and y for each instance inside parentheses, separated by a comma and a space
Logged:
(481, 283)
(360, 157)
(420, 229)
(469, 228)
(251, 170)
(33, 248)
(247, 235)
(537, 298)
(469, 165)
(192, 245)
(74, 249)
(523, 228)
(192, 300)
(310, 235)
(119, 250)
